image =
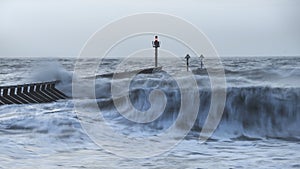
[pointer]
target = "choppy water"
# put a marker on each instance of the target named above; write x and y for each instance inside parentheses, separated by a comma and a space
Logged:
(259, 126)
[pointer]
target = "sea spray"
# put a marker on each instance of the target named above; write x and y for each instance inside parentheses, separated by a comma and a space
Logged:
(53, 71)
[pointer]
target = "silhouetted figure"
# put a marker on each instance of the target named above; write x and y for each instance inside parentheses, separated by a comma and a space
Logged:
(187, 57)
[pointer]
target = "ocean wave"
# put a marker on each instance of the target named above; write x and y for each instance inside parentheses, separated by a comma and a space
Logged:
(254, 109)
(250, 112)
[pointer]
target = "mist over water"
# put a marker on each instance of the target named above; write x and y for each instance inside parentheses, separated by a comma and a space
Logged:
(260, 120)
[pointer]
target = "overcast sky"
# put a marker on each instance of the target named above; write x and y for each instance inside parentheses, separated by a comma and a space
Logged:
(235, 27)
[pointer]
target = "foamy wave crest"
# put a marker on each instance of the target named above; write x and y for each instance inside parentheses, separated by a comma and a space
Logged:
(261, 112)
(250, 112)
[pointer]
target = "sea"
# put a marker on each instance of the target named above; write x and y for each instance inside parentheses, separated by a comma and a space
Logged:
(154, 120)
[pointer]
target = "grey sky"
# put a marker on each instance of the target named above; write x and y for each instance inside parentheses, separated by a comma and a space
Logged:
(235, 27)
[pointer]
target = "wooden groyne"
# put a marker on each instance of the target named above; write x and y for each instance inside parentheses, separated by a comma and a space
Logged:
(46, 92)
(30, 93)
